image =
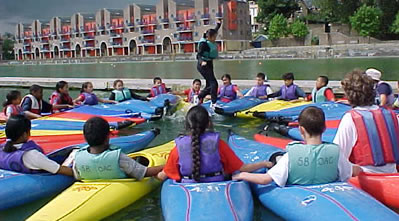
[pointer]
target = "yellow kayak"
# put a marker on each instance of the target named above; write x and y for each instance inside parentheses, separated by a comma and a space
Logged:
(47, 132)
(274, 105)
(94, 200)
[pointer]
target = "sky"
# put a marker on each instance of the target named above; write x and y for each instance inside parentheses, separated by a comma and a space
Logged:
(25, 11)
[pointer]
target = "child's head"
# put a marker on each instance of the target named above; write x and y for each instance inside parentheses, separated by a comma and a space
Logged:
(118, 84)
(312, 120)
(157, 81)
(359, 88)
(196, 84)
(17, 131)
(211, 35)
(96, 131)
(260, 79)
(374, 74)
(13, 97)
(62, 87)
(87, 87)
(226, 78)
(322, 81)
(288, 78)
(36, 91)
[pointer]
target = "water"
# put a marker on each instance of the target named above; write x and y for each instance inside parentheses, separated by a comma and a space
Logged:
(304, 69)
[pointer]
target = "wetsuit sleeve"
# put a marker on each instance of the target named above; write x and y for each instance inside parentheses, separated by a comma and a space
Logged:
(112, 96)
(218, 26)
(172, 169)
(136, 96)
(328, 93)
(131, 167)
(231, 163)
(46, 107)
(299, 92)
(27, 105)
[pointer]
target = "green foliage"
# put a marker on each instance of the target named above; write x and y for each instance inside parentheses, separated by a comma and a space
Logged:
(278, 27)
(389, 9)
(315, 40)
(270, 8)
(335, 10)
(299, 29)
(395, 25)
(366, 21)
(8, 49)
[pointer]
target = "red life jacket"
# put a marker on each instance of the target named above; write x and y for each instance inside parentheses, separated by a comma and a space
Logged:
(36, 105)
(157, 90)
(60, 99)
(16, 109)
(378, 137)
(191, 94)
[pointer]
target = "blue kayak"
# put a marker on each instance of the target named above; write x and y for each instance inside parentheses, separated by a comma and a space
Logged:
(17, 188)
(328, 134)
(64, 125)
(228, 200)
(86, 109)
(338, 200)
(245, 103)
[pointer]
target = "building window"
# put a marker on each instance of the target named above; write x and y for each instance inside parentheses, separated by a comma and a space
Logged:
(196, 34)
(241, 33)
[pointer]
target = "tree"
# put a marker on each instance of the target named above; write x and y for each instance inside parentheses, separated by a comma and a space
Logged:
(270, 8)
(337, 11)
(389, 9)
(299, 29)
(278, 27)
(366, 21)
(395, 25)
(8, 49)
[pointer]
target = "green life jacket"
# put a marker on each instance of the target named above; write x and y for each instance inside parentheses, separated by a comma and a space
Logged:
(99, 166)
(310, 164)
(122, 95)
(318, 95)
(213, 50)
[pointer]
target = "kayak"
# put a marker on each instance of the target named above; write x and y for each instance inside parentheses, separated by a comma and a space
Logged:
(227, 200)
(17, 188)
(34, 133)
(39, 124)
(309, 202)
(75, 116)
(382, 186)
(237, 105)
(327, 136)
(275, 105)
(106, 111)
(97, 199)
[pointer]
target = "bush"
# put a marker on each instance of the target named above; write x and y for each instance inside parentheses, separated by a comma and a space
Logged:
(299, 29)
(395, 25)
(278, 27)
(315, 40)
(366, 20)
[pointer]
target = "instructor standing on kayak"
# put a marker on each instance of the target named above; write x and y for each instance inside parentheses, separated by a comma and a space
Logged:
(207, 51)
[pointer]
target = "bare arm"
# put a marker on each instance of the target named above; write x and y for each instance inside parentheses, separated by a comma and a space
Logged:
(383, 98)
(239, 94)
(31, 115)
(153, 171)
(162, 176)
(107, 101)
(258, 178)
(255, 166)
(65, 171)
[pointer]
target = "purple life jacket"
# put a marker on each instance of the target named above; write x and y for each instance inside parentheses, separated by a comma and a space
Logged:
(90, 98)
(211, 166)
(289, 93)
(259, 91)
(227, 92)
(13, 160)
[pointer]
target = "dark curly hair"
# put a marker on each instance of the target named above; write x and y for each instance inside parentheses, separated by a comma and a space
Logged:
(359, 88)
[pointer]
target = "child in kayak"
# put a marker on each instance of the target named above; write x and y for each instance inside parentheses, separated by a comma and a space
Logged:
(19, 154)
(11, 105)
(87, 96)
(202, 156)
(120, 93)
(321, 92)
(289, 91)
(192, 93)
(311, 162)
(368, 134)
(384, 94)
(60, 98)
(33, 103)
(260, 90)
(228, 91)
(158, 88)
(99, 160)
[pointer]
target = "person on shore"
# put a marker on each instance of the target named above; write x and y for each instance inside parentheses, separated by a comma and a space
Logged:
(321, 92)
(87, 97)
(22, 155)
(260, 90)
(33, 104)
(368, 135)
(60, 98)
(191, 93)
(12, 104)
(289, 91)
(158, 88)
(308, 163)
(207, 52)
(187, 163)
(120, 93)
(228, 91)
(384, 95)
(98, 154)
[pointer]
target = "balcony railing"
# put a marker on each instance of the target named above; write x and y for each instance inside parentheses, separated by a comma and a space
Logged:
(185, 38)
(147, 41)
(131, 24)
(205, 16)
(44, 41)
(165, 20)
(184, 28)
(219, 15)
(147, 32)
(89, 37)
(190, 17)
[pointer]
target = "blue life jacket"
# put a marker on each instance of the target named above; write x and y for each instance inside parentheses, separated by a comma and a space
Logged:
(318, 95)
(13, 160)
(90, 98)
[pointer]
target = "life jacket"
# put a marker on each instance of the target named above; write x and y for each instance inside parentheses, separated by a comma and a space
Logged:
(191, 95)
(213, 50)
(16, 109)
(318, 95)
(227, 93)
(90, 98)
(289, 93)
(63, 98)
(122, 95)
(36, 105)
(13, 160)
(390, 97)
(377, 137)
(99, 166)
(259, 91)
(312, 164)
(157, 90)
(211, 166)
